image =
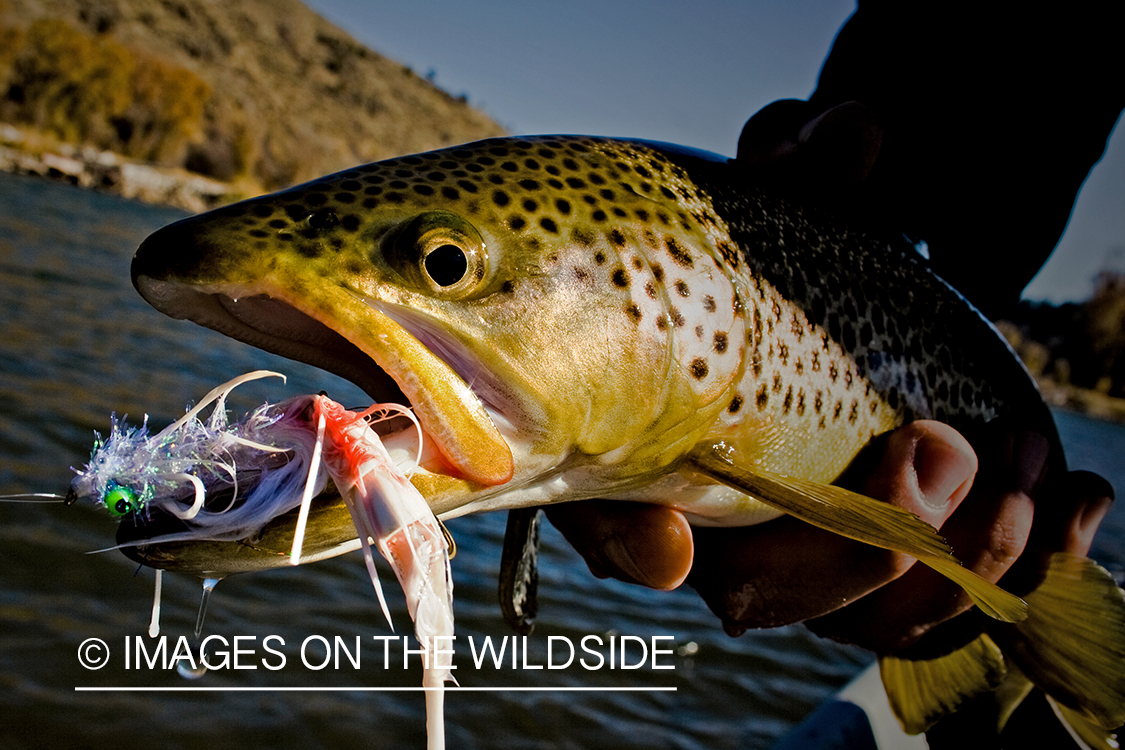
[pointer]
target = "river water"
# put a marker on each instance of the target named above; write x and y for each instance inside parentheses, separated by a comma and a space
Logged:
(77, 343)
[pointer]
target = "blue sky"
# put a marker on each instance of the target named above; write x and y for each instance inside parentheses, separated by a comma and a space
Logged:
(684, 72)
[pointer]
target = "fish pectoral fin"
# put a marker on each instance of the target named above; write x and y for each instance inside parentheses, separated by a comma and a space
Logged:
(857, 517)
(921, 691)
(1072, 645)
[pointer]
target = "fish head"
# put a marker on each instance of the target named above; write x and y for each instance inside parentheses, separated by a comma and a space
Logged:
(553, 309)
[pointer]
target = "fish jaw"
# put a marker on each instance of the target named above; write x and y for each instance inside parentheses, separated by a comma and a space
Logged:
(336, 329)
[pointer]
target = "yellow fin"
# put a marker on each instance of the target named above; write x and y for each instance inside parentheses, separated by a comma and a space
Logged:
(1086, 734)
(921, 691)
(1072, 644)
(860, 518)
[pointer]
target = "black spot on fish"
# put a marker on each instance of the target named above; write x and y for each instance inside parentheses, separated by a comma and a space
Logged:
(650, 290)
(549, 225)
(517, 222)
(351, 185)
(679, 255)
(709, 303)
(763, 397)
(661, 322)
(598, 215)
(599, 257)
(370, 202)
(616, 237)
(658, 272)
(507, 287)
(261, 210)
(529, 184)
(423, 190)
(641, 214)
(468, 187)
(638, 263)
(620, 278)
(787, 404)
(735, 404)
(575, 183)
(395, 197)
(596, 178)
(682, 287)
(619, 212)
(412, 160)
(634, 312)
(259, 233)
(563, 206)
(699, 368)
(279, 223)
(350, 222)
(667, 193)
(397, 184)
(500, 198)
(606, 193)
(530, 205)
(678, 318)
(509, 166)
(531, 164)
(451, 193)
(322, 220)
(720, 342)
(570, 164)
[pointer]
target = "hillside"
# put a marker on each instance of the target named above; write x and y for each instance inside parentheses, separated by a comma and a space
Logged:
(260, 92)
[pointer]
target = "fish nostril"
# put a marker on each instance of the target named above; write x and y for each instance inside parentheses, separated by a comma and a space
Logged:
(323, 219)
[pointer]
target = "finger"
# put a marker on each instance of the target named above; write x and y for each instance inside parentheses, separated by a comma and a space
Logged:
(633, 542)
(1071, 514)
(786, 571)
(987, 533)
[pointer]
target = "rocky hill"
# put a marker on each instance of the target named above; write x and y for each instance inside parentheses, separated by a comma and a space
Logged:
(264, 93)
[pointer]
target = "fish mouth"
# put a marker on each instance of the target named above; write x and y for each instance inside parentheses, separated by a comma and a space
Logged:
(393, 355)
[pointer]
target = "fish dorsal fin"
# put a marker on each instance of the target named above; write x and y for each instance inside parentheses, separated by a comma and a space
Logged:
(857, 517)
(921, 691)
(1072, 644)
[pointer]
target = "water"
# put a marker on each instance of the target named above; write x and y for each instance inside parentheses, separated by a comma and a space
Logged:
(78, 343)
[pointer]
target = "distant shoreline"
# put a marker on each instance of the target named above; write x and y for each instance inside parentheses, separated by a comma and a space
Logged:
(1083, 401)
(113, 173)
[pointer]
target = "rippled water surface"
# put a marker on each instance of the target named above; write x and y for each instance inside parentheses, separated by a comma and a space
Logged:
(77, 343)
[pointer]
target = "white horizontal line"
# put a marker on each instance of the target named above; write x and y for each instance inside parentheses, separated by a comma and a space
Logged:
(137, 689)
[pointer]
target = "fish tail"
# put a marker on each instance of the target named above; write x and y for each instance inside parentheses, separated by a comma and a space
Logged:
(1071, 646)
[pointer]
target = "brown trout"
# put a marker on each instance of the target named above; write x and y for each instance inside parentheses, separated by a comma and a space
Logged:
(573, 317)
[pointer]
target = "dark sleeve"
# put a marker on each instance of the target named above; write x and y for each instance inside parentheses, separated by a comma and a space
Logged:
(991, 121)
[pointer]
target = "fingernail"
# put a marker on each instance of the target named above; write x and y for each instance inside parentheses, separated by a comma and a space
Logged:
(617, 553)
(942, 468)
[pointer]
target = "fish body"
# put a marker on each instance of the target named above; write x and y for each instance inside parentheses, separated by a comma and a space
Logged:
(574, 317)
(615, 305)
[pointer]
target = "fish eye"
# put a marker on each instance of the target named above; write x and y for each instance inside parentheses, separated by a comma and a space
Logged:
(120, 501)
(446, 265)
(439, 253)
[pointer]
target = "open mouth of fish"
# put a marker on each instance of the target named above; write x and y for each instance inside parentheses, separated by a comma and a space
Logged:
(395, 356)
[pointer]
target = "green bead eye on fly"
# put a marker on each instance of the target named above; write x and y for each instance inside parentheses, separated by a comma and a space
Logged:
(120, 501)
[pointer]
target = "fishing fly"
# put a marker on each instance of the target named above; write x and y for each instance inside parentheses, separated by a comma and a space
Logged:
(226, 480)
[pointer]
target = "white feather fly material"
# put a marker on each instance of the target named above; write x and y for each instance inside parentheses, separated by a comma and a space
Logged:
(224, 480)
